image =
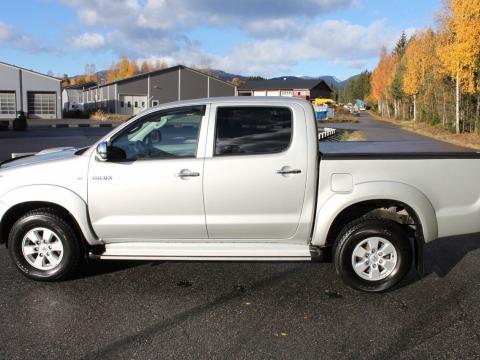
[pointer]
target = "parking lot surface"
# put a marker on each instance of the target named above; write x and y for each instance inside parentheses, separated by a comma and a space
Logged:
(158, 310)
(36, 139)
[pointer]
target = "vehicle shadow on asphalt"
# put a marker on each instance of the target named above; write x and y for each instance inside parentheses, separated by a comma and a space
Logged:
(442, 256)
(93, 268)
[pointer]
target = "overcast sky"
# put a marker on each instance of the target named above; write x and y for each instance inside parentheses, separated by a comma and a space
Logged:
(248, 37)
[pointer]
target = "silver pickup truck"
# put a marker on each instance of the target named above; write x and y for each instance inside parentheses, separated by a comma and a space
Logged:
(236, 179)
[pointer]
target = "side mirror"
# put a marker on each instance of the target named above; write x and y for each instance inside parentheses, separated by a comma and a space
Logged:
(102, 151)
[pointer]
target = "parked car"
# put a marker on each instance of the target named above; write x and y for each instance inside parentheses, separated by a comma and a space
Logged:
(235, 179)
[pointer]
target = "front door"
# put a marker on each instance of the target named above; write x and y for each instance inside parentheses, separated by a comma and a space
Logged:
(255, 178)
(150, 189)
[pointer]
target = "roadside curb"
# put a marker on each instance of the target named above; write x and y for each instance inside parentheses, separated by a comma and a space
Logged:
(69, 126)
(5, 125)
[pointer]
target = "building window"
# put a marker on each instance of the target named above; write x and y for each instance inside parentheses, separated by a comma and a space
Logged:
(129, 104)
(122, 104)
(136, 104)
(143, 104)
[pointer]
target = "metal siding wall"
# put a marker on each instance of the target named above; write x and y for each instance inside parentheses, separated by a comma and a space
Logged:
(38, 83)
(110, 97)
(104, 91)
(10, 81)
(65, 100)
(133, 87)
(193, 85)
(167, 86)
(218, 88)
(71, 96)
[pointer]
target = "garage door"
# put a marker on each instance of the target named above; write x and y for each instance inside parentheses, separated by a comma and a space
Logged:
(7, 104)
(42, 105)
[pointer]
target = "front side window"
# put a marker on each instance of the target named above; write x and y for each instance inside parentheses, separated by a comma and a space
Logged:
(165, 134)
(252, 130)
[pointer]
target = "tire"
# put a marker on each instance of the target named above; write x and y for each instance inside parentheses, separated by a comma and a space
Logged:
(55, 257)
(374, 270)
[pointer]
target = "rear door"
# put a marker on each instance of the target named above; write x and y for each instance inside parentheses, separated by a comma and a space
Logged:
(255, 173)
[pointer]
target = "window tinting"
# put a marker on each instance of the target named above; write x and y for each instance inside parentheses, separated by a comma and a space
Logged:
(252, 130)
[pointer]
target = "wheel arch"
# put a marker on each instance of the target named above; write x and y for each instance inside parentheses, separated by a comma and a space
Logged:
(340, 209)
(19, 201)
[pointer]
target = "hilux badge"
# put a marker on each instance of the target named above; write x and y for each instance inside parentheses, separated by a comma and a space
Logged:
(102, 177)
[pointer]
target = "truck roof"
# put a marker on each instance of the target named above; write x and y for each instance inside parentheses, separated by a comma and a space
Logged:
(240, 100)
(394, 150)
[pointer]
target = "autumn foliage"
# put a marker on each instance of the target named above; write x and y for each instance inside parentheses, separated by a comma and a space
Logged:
(124, 68)
(436, 77)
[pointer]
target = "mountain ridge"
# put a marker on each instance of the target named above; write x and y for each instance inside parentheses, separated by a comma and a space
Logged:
(331, 80)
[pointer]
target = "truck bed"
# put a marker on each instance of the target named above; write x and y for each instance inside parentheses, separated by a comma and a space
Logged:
(394, 150)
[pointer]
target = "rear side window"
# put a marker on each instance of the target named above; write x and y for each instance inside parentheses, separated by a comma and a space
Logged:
(252, 130)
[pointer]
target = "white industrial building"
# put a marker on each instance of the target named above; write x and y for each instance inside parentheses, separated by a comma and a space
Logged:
(38, 95)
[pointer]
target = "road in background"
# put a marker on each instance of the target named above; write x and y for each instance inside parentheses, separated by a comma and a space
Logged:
(36, 139)
(377, 130)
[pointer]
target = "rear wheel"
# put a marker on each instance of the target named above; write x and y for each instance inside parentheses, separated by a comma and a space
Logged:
(373, 254)
(44, 246)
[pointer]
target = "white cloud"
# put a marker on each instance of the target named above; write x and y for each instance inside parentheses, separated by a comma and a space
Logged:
(272, 27)
(280, 33)
(338, 41)
(88, 17)
(10, 37)
(88, 41)
(6, 32)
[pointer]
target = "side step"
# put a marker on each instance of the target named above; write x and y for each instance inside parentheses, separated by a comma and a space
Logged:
(220, 251)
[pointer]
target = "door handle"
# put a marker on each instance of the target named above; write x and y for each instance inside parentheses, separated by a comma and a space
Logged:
(187, 173)
(287, 170)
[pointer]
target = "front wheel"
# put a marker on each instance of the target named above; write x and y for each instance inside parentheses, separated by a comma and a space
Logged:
(372, 255)
(44, 246)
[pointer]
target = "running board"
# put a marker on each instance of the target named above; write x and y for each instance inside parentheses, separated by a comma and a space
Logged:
(224, 251)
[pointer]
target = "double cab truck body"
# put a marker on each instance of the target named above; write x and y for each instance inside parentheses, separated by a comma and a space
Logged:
(236, 179)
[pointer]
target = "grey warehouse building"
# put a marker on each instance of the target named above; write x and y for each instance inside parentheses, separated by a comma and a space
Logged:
(131, 95)
(38, 95)
(299, 88)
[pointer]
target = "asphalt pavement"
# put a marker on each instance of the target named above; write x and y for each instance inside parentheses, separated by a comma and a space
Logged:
(36, 139)
(206, 310)
(382, 131)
